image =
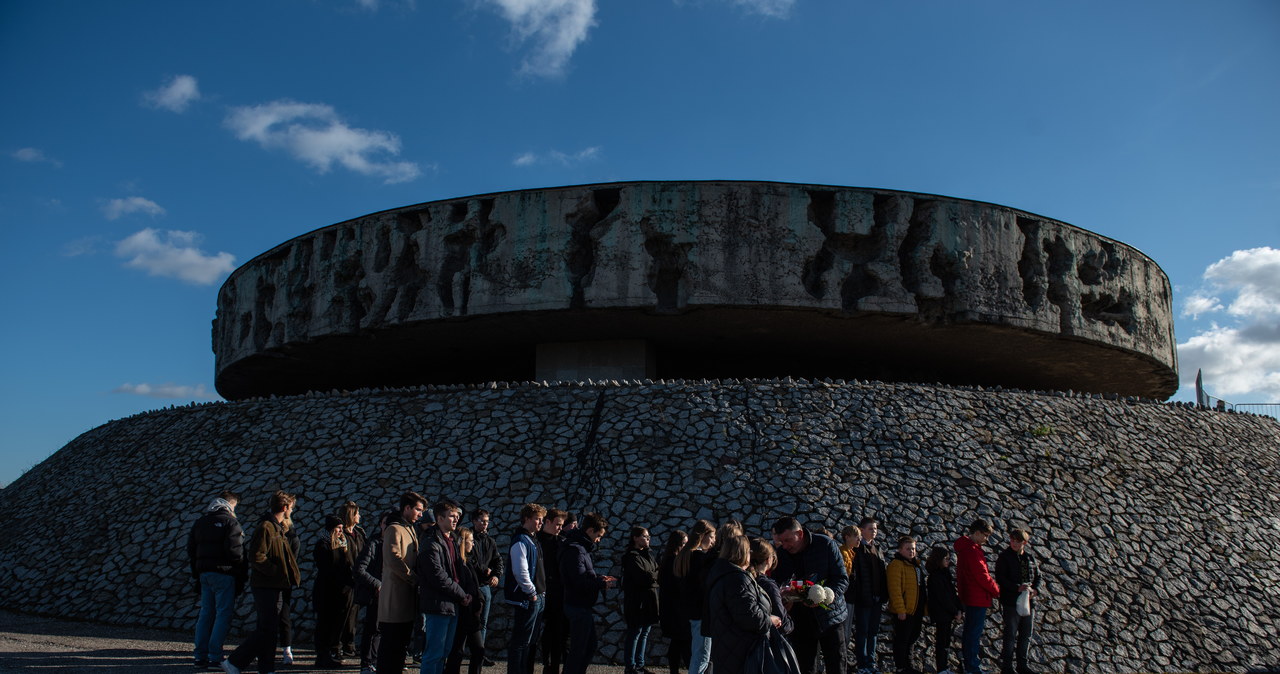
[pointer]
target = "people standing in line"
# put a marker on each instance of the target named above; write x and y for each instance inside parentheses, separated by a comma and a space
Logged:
(976, 589)
(440, 593)
(555, 627)
(849, 537)
(867, 593)
(764, 559)
(398, 596)
(944, 605)
(272, 569)
(691, 566)
(489, 562)
(908, 602)
(1016, 572)
(582, 586)
(639, 599)
(671, 613)
(356, 536)
(215, 550)
(368, 576)
(807, 556)
(738, 613)
(524, 587)
(331, 591)
(286, 598)
(467, 640)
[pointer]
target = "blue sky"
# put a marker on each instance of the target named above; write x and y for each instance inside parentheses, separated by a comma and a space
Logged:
(146, 148)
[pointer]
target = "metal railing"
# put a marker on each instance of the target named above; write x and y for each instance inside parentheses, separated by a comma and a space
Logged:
(1204, 399)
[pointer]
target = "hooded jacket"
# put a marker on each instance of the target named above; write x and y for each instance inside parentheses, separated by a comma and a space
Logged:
(216, 542)
(737, 616)
(577, 571)
(639, 587)
(907, 592)
(974, 583)
(820, 562)
(1013, 570)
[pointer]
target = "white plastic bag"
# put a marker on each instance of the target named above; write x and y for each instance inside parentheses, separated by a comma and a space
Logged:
(1024, 603)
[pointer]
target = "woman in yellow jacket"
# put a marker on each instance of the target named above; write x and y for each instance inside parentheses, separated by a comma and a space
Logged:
(907, 602)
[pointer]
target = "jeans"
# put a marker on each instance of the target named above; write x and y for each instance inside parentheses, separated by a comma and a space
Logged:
(438, 633)
(636, 644)
(261, 644)
(699, 649)
(486, 593)
(975, 619)
(866, 627)
(217, 599)
(582, 639)
(1017, 634)
(524, 625)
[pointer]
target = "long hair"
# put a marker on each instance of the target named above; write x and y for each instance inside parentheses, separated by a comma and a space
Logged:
(763, 556)
(348, 514)
(699, 535)
(675, 541)
(464, 535)
(937, 556)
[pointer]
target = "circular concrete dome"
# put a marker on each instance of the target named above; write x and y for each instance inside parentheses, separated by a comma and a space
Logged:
(716, 279)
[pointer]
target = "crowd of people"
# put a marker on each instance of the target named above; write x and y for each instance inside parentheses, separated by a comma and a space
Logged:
(738, 605)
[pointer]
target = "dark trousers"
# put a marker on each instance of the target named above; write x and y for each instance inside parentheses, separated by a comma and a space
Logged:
(1017, 637)
(806, 639)
(866, 627)
(944, 629)
(348, 636)
(394, 647)
(678, 652)
(555, 627)
(285, 639)
(261, 644)
(370, 638)
(332, 607)
(466, 643)
(905, 634)
(582, 639)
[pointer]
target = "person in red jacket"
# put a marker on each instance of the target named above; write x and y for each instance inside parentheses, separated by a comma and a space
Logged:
(976, 588)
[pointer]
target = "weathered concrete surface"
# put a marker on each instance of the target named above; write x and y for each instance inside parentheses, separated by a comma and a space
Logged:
(723, 279)
(1156, 524)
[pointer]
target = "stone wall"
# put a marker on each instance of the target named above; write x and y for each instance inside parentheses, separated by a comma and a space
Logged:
(1157, 524)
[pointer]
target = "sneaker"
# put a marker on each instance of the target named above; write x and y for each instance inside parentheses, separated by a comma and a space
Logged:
(489, 663)
(287, 658)
(202, 664)
(368, 670)
(228, 667)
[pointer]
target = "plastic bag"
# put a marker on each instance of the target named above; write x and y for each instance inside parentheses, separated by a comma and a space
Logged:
(1024, 603)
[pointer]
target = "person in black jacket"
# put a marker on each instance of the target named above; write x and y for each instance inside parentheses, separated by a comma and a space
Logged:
(368, 576)
(467, 640)
(215, 549)
(944, 605)
(671, 613)
(807, 556)
(439, 592)
(691, 568)
(582, 586)
(764, 559)
(738, 614)
(331, 591)
(286, 595)
(555, 628)
(639, 598)
(489, 563)
(1016, 572)
(350, 516)
(868, 591)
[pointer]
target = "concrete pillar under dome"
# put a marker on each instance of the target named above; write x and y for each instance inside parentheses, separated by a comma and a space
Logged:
(604, 359)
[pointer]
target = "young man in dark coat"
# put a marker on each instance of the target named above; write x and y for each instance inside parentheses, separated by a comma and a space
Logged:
(439, 591)
(1016, 571)
(489, 562)
(582, 586)
(868, 591)
(272, 570)
(368, 576)
(554, 627)
(813, 557)
(215, 549)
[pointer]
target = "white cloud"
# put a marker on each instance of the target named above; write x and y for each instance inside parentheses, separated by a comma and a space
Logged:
(34, 156)
(116, 208)
(558, 157)
(1240, 360)
(555, 27)
(779, 9)
(174, 254)
(175, 96)
(87, 245)
(166, 391)
(314, 134)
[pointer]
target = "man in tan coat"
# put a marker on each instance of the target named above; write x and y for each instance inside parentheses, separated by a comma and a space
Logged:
(398, 598)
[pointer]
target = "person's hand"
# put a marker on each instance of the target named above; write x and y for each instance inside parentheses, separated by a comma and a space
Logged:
(1023, 587)
(493, 582)
(466, 601)
(777, 622)
(902, 616)
(1033, 592)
